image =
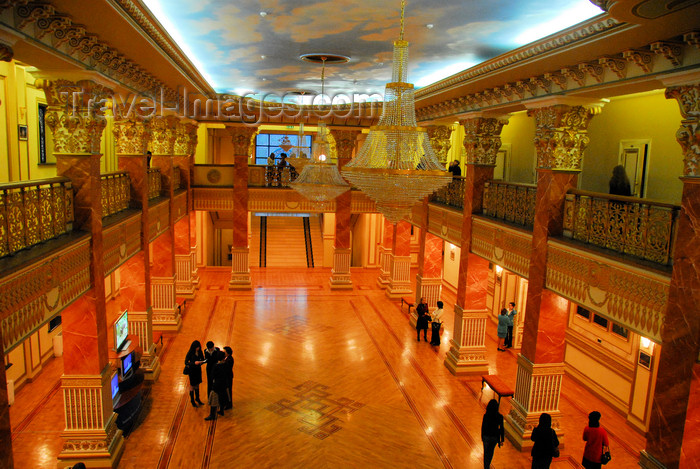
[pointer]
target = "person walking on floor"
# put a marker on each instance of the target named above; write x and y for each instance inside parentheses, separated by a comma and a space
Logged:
(596, 439)
(502, 330)
(423, 319)
(228, 362)
(546, 443)
(193, 363)
(492, 431)
(511, 320)
(436, 324)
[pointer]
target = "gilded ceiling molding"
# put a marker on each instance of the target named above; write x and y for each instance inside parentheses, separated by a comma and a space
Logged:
(688, 135)
(440, 140)
(594, 70)
(57, 31)
(132, 136)
(574, 74)
(692, 38)
(644, 59)
(616, 65)
(482, 139)
(561, 135)
(673, 51)
(75, 114)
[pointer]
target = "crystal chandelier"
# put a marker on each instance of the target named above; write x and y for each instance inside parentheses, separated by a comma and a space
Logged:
(396, 166)
(320, 181)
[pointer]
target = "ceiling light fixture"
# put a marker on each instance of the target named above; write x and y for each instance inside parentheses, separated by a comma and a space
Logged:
(320, 181)
(263, 14)
(396, 166)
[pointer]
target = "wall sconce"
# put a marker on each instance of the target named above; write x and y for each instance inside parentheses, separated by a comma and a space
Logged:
(499, 272)
(645, 342)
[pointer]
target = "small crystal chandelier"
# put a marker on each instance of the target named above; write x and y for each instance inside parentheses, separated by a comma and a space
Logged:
(396, 166)
(320, 181)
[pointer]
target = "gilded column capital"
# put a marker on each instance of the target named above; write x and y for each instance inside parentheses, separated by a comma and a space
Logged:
(164, 134)
(561, 135)
(688, 135)
(241, 137)
(182, 139)
(440, 140)
(345, 142)
(76, 114)
(190, 130)
(132, 136)
(482, 139)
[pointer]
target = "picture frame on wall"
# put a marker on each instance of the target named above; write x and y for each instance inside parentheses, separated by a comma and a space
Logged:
(22, 132)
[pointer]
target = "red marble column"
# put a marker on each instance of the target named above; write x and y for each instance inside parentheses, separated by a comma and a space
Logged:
(400, 271)
(166, 315)
(671, 417)
(385, 254)
(429, 276)
(185, 285)
(560, 139)
(240, 271)
(77, 128)
(132, 138)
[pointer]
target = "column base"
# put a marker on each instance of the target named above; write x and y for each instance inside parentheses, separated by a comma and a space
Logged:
(101, 449)
(461, 361)
(240, 282)
(150, 364)
(397, 291)
(340, 275)
(167, 320)
(519, 426)
(341, 282)
(186, 290)
(240, 272)
(647, 461)
(383, 281)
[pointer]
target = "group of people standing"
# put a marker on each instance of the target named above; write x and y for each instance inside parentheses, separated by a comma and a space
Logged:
(219, 368)
(424, 318)
(546, 443)
(505, 327)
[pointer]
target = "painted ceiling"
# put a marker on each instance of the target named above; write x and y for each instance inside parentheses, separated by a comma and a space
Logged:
(252, 47)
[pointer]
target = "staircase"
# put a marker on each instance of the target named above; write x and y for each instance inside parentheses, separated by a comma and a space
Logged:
(285, 242)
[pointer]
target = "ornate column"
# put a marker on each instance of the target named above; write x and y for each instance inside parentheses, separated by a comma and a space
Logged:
(240, 271)
(76, 120)
(400, 268)
(185, 285)
(482, 140)
(166, 315)
(680, 331)
(560, 139)
(132, 137)
(345, 144)
(440, 140)
(429, 277)
(385, 254)
(191, 150)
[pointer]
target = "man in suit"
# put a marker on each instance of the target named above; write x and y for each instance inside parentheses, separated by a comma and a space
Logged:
(209, 353)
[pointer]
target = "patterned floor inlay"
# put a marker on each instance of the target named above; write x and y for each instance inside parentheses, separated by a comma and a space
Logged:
(316, 408)
(297, 328)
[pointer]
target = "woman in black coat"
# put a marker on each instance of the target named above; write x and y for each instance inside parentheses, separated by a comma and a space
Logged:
(423, 319)
(228, 361)
(193, 362)
(546, 443)
(492, 431)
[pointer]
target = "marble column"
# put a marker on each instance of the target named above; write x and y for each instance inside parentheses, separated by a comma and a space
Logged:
(560, 139)
(385, 254)
(166, 315)
(132, 138)
(185, 285)
(345, 144)
(429, 277)
(467, 353)
(680, 332)
(240, 270)
(76, 121)
(400, 268)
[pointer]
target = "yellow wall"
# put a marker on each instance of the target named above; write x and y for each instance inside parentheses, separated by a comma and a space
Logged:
(643, 116)
(520, 134)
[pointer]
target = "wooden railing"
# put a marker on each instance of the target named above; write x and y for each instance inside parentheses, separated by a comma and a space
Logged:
(176, 178)
(451, 195)
(33, 212)
(511, 202)
(154, 183)
(116, 187)
(628, 225)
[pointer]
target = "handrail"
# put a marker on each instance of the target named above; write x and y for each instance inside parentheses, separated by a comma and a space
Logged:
(155, 183)
(451, 194)
(639, 227)
(32, 212)
(512, 202)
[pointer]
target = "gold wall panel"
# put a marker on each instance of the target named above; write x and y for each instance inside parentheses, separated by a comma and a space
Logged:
(502, 245)
(179, 205)
(157, 219)
(121, 241)
(444, 222)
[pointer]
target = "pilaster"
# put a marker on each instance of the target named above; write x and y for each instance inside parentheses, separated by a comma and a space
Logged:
(185, 284)
(400, 269)
(385, 254)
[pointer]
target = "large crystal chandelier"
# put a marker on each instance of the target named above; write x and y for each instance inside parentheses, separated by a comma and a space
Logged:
(320, 181)
(396, 166)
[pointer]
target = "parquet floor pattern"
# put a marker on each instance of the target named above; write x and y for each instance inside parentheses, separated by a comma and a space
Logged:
(322, 380)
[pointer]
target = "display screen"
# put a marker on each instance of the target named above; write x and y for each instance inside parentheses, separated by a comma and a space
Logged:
(121, 330)
(115, 385)
(127, 361)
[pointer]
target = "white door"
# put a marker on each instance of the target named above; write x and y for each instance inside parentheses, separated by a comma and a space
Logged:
(634, 157)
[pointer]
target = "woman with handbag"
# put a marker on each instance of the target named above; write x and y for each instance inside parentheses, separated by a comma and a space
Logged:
(193, 368)
(546, 444)
(437, 322)
(597, 451)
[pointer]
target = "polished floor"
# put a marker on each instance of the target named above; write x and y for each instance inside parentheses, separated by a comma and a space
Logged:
(322, 380)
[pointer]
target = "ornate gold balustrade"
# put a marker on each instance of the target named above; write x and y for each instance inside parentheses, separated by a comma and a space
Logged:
(451, 195)
(115, 192)
(33, 212)
(638, 227)
(514, 203)
(279, 177)
(176, 178)
(154, 183)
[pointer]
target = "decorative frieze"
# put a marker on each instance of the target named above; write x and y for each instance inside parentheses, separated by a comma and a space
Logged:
(688, 98)
(672, 51)
(643, 59)
(616, 65)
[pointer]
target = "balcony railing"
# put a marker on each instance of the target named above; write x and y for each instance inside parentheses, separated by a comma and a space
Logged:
(279, 177)
(176, 178)
(628, 225)
(116, 187)
(511, 202)
(154, 183)
(33, 212)
(451, 195)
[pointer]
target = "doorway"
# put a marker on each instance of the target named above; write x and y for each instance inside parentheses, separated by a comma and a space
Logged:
(634, 156)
